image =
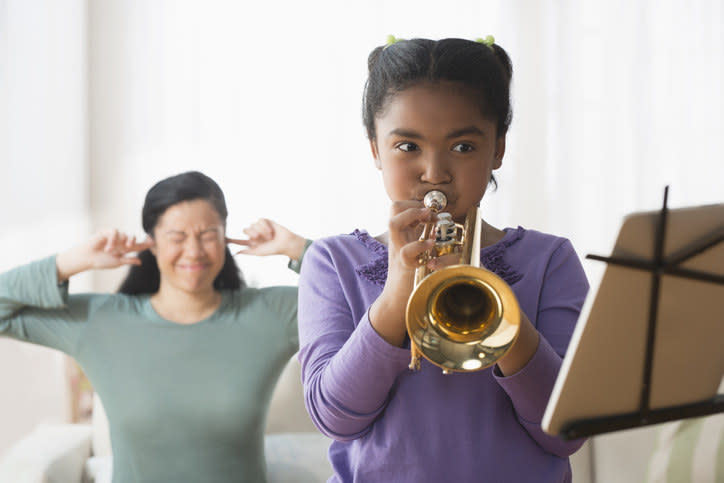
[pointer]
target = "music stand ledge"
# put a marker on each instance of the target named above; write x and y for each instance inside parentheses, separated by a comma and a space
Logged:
(648, 347)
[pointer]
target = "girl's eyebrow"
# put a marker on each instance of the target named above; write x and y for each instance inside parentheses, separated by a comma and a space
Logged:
(474, 130)
(405, 133)
(463, 131)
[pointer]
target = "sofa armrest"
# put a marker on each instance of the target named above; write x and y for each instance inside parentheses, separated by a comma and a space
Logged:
(582, 464)
(623, 456)
(297, 457)
(50, 453)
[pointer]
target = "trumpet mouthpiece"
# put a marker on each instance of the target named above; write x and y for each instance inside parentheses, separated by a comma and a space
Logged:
(435, 200)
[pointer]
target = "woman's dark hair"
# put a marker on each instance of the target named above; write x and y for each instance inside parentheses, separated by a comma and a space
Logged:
(189, 186)
(484, 69)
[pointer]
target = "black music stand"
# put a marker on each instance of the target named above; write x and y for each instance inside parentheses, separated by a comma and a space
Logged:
(649, 346)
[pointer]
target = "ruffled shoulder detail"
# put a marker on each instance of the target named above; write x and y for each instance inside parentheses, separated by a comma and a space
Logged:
(370, 242)
(492, 258)
(376, 270)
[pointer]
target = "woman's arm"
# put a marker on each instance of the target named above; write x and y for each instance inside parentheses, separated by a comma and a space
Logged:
(107, 249)
(34, 302)
(267, 237)
(35, 308)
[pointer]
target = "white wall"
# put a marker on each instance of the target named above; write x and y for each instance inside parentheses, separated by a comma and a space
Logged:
(43, 183)
(608, 109)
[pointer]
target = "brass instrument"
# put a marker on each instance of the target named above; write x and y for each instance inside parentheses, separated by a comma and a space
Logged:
(462, 318)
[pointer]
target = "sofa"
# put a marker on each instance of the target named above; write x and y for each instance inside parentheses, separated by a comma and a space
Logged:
(680, 451)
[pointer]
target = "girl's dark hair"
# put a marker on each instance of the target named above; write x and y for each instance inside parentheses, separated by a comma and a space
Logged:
(485, 70)
(189, 186)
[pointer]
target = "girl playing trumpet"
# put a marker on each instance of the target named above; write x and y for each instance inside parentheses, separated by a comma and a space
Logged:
(436, 114)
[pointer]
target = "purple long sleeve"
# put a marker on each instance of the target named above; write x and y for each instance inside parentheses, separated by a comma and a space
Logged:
(392, 424)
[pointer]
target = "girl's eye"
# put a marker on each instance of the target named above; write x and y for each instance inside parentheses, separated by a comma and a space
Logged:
(462, 148)
(407, 147)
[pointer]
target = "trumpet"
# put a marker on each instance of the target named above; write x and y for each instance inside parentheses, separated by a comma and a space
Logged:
(461, 318)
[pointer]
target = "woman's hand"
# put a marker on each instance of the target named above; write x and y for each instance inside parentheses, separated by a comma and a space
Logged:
(267, 237)
(107, 249)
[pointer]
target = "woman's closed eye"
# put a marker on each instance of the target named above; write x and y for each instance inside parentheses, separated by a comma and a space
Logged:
(210, 236)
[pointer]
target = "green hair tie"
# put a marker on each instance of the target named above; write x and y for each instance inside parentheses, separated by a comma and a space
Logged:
(391, 39)
(489, 41)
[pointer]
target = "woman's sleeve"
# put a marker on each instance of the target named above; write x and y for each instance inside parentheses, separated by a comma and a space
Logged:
(282, 302)
(285, 303)
(562, 294)
(347, 368)
(296, 265)
(35, 308)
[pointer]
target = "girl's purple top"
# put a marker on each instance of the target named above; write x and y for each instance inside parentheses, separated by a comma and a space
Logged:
(391, 424)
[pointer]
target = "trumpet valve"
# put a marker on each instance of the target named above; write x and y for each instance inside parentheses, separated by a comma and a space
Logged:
(445, 228)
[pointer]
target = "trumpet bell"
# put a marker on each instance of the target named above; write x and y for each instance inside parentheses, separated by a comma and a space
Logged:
(462, 318)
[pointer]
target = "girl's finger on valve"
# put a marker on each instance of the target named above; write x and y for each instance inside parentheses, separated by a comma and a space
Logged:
(411, 253)
(411, 217)
(400, 206)
(443, 261)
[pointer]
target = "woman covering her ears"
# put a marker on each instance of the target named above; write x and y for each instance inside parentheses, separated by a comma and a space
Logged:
(186, 357)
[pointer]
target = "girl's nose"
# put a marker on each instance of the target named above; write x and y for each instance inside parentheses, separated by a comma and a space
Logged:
(436, 170)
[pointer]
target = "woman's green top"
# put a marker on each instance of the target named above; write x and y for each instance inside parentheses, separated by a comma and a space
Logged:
(185, 403)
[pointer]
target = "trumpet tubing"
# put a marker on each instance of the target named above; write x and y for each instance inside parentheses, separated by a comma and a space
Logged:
(462, 318)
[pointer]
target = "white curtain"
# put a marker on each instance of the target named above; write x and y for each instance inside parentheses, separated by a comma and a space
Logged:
(612, 102)
(43, 183)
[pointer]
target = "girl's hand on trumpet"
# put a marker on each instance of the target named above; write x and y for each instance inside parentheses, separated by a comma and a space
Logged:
(404, 247)
(403, 236)
(266, 237)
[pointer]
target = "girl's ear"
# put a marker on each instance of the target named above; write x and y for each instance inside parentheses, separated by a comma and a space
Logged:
(499, 152)
(375, 154)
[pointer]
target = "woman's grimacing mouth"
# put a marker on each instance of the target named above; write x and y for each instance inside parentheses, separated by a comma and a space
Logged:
(193, 267)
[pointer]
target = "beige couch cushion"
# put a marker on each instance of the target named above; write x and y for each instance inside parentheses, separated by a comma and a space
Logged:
(690, 450)
(287, 413)
(622, 457)
(49, 453)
